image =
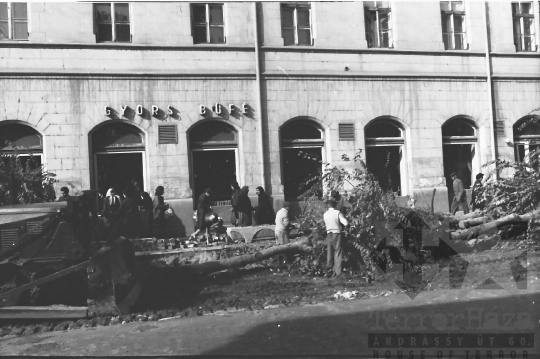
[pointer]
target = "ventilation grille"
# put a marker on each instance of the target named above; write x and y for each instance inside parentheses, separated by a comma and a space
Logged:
(499, 129)
(167, 134)
(8, 237)
(34, 227)
(346, 131)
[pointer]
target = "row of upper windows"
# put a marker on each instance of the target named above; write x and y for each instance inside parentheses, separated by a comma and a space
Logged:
(112, 23)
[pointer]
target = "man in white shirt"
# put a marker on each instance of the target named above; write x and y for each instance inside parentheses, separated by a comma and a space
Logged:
(282, 224)
(333, 219)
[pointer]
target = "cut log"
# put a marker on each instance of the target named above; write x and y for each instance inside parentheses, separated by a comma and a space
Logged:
(493, 226)
(302, 245)
(469, 215)
(472, 222)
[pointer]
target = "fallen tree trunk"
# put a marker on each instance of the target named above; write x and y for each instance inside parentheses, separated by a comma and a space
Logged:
(493, 226)
(303, 245)
(472, 222)
(468, 216)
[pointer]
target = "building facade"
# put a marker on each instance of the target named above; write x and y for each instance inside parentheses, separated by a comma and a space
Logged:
(194, 95)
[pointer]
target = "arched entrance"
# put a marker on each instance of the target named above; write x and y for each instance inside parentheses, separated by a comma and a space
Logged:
(526, 138)
(302, 143)
(24, 139)
(385, 154)
(214, 159)
(118, 157)
(459, 137)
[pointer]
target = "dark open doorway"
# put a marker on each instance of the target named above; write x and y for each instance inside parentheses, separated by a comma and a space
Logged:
(215, 169)
(458, 159)
(384, 163)
(299, 166)
(119, 170)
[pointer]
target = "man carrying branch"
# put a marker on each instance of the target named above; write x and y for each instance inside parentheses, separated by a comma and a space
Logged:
(333, 220)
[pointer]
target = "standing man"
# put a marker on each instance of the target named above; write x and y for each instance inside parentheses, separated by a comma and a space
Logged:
(460, 196)
(333, 219)
(283, 225)
(477, 203)
(64, 196)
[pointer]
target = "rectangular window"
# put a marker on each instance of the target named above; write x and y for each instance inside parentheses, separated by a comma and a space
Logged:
(378, 21)
(207, 24)
(296, 24)
(523, 20)
(13, 21)
(453, 25)
(112, 22)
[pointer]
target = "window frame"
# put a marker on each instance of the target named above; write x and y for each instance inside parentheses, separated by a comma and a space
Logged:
(113, 23)
(377, 10)
(207, 24)
(295, 28)
(520, 16)
(11, 22)
(452, 32)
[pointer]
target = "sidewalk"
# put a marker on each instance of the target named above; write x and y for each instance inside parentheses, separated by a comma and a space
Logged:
(330, 328)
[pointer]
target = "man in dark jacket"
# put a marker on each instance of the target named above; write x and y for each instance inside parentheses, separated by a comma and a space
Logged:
(476, 202)
(460, 196)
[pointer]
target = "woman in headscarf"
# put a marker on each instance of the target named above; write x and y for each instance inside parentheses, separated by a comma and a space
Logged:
(234, 202)
(146, 215)
(264, 212)
(244, 208)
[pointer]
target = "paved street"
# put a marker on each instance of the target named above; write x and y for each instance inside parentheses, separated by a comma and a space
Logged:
(329, 328)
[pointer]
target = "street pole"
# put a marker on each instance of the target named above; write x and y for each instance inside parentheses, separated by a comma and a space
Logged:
(259, 92)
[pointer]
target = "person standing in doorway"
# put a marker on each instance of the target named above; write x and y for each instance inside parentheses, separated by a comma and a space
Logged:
(460, 196)
(159, 208)
(64, 196)
(283, 225)
(333, 220)
(264, 212)
(234, 202)
(476, 202)
(245, 210)
(109, 215)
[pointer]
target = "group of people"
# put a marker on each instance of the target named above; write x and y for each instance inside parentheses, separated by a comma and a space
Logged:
(460, 196)
(135, 215)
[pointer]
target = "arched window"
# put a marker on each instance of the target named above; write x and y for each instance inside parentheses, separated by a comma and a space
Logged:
(385, 147)
(118, 156)
(459, 137)
(22, 138)
(526, 137)
(302, 154)
(214, 160)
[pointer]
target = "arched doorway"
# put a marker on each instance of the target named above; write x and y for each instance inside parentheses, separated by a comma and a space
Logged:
(385, 155)
(526, 138)
(23, 139)
(302, 143)
(214, 159)
(118, 156)
(459, 137)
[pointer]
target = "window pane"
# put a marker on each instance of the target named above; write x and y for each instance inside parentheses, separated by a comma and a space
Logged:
(457, 6)
(528, 43)
(103, 12)
(446, 24)
(528, 26)
(104, 32)
(445, 6)
(304, 37)
(447, 41)
(288, 36)
(199, 14)
(458, 23)
(287, 14)
(216, 35)
(526, 8)
(383, 4)
(122, 33)
(383, 19)
(517, 27)
(458, 42)
(517, 43)
(3, 11)
(199, 35)
(19, 10)
(20, 30)
(216, 14)
(121, 12)
(515, 8)
(303, 17)
(385, 39)
(4, 31)
(371, 29)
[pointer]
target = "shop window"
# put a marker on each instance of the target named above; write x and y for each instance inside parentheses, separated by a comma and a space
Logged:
(13, 21)
(527, 141)
(112, 22)
(378, 21)
(296, 24)
(453, 25)
(302, 151)
(207, 24)
(385, 159)
(523, 20)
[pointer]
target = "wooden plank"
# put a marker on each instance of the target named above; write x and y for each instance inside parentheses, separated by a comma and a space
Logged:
(43, 280)
(50, 312)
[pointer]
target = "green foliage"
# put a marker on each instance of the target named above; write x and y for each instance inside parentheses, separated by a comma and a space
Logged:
(24, 180)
